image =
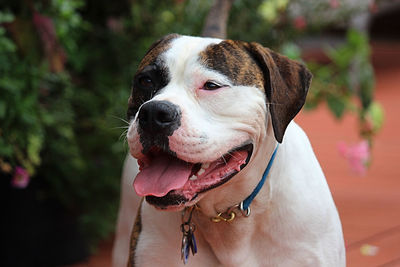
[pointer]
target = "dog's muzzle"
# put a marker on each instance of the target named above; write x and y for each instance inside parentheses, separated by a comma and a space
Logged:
(164, 178)
(157, 120)
(166, 181)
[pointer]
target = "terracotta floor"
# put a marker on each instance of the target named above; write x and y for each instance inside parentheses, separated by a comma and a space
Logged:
(369, 206)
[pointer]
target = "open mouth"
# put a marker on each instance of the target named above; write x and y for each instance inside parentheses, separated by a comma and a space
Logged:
(165, 180)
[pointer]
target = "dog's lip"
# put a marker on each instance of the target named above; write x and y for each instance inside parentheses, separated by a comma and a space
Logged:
(169, 202)
(179, 197)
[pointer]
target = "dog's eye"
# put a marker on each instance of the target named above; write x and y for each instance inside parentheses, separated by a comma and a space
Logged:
(145, 81)
(211, 86)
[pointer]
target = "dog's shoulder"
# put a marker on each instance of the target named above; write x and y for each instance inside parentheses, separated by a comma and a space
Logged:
(297, 142)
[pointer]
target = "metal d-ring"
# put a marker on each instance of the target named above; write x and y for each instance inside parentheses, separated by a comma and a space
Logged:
(245, 212)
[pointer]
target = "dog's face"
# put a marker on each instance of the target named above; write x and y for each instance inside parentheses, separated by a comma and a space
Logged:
(199, 109)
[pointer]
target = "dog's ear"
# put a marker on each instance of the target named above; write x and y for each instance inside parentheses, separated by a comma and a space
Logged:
(286, 84)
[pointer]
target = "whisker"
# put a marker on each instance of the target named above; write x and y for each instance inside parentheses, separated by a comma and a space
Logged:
(232, 155)
(123, 134)
(121, 119)
(125, 142)
(120, 127)
(224, 160)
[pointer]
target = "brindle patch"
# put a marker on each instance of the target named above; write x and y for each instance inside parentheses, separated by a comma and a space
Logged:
(231, 59)
(152, 67)
(140, 94)
(137, 229)
(156, 49)
(284, 81)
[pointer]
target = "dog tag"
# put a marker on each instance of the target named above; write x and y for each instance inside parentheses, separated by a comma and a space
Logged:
(188, 239)
(185, 249)
(193, 245)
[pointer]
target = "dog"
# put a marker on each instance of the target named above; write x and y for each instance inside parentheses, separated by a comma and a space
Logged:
(225, 172)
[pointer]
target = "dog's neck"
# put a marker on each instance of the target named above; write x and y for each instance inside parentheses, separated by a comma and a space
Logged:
(225, 237)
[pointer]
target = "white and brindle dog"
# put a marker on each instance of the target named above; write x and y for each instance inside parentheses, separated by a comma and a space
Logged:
(206, 116)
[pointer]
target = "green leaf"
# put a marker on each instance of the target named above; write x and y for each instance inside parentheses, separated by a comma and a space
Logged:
(6, 45)
(269, 9)
(336, 105)
(377, 115)
(291, 50)
(35, 143)
(5, 149)
(6, 17)
(3, 107)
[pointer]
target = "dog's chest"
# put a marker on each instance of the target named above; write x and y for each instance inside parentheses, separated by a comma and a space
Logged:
(159, 245)
(222, 244)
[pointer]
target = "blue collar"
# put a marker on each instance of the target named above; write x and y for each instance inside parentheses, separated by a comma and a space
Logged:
(188, 239)
(244, 206)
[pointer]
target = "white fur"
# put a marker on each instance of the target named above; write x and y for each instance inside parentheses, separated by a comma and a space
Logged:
(209, 118)
(129, 203)
(294, 221)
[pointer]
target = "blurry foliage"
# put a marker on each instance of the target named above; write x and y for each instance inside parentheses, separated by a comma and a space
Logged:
(320, 14)
(349, 76)
(347, 83)
(65, 73)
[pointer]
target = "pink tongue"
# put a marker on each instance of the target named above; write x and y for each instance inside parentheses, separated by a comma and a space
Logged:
(165, 173)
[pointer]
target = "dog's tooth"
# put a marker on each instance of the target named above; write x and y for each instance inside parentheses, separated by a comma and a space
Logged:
(205, 165)
(201, 171)
(193, 178)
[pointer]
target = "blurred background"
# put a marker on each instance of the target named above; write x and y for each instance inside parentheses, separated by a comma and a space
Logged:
(65, 73)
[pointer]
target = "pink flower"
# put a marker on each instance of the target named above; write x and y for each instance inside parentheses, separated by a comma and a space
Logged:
(21, 178)
(357, 155)
(300, 23)
(334, 3)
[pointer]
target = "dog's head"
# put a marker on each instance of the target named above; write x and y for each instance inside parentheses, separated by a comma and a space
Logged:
(199, 107)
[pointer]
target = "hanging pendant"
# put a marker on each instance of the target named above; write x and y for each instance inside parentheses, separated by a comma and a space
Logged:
(188, 239)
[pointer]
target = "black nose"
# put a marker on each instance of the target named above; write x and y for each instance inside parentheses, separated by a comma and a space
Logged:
(159, 117)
